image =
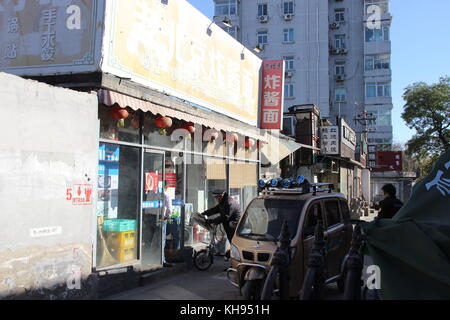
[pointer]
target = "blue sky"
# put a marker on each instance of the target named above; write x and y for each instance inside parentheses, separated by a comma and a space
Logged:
(420, 37)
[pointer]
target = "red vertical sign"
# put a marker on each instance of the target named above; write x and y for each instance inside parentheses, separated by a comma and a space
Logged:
(272, 99)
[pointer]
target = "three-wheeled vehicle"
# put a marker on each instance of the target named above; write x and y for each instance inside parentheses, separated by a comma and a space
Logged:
(301, 204)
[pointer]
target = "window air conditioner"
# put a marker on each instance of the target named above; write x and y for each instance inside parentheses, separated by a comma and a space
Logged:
(263, 19)
(335, 25)
(288, 16)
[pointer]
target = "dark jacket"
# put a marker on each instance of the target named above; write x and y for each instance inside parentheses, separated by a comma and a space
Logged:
(389, 207)
(230, 211)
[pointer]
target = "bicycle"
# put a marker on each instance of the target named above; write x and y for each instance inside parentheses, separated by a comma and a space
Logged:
(204, 259)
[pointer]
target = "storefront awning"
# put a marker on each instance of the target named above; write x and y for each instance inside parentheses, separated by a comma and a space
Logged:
(278, 148)
(110, 98)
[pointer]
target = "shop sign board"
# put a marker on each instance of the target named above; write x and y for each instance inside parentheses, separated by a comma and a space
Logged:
(389, 161)
(330, 140)
(173, 48)
(50, 36)
(272, 100)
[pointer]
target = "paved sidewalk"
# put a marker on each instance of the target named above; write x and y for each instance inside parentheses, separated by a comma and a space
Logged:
(192, 285)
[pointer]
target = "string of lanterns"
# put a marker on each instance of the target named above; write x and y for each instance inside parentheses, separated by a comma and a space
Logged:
(163, 123)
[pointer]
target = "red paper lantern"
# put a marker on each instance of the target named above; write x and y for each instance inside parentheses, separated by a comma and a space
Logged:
(189, 127)
(163, 122)
(214, 136)
(249, 143)
(118, 113)
(135, 123)
(232, 137)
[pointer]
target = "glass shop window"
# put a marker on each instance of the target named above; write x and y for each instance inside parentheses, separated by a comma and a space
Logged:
(127, 130)
(174, 183)
(243, 182)
(118, 204)
(203, 175)
(156, 135)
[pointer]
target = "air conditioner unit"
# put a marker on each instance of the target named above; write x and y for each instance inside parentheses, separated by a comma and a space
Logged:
(335, 25)
(340, 77)
(344, 51)
(263, 19)
(336, 51)
(288, 16)
(289, 74)
(289, 123)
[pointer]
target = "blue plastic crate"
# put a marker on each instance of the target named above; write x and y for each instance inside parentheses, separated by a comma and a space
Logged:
(119, 225)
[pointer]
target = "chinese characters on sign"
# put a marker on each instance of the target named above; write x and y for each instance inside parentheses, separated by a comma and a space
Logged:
(48, 35)
(272, 95)
(388, 161)
(330, 140)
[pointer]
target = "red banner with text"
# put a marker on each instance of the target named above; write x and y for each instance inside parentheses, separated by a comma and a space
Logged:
(272, 100)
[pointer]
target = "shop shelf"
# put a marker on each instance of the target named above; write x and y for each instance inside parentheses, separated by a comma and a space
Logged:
(119, 225)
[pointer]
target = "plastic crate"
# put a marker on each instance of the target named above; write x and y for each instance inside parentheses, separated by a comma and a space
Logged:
(122, 240)
(126, 254)
(119, 225)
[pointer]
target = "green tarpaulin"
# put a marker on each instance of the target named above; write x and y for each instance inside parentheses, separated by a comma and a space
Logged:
(413, 249)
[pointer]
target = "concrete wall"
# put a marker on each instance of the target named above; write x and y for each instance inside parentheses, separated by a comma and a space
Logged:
(49, 143)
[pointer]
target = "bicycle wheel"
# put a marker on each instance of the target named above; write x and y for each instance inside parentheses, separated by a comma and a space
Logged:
(203, 260)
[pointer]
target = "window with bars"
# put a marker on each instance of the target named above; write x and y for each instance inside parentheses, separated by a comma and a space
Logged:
(378, 89)
(263, 38)
(339, 15)
(225, 7)
(288, 7)
(288, 35)
(263, 9)
(341, 95)
(381, 34)
(289, 63)
(339, 41)
(378, 62)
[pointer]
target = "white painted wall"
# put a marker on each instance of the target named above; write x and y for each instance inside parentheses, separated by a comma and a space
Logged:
(49, 142)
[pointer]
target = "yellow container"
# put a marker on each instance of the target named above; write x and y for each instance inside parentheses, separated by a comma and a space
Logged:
(122, 240)
(126, 254)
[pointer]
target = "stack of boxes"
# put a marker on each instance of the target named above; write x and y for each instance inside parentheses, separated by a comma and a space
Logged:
(121, 239)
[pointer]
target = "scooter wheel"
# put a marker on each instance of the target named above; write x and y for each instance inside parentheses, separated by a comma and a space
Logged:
(203, 260)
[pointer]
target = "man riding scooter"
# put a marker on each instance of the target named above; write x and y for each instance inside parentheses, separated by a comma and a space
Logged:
(230, 213)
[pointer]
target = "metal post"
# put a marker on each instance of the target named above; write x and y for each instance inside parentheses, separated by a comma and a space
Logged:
(314, 282)
(279, 265)
(354, 267)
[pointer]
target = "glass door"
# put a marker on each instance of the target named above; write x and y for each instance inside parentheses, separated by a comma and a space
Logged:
(152, 209)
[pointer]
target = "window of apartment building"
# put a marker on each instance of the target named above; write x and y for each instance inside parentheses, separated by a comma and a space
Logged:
(339, 15)
(288, 35)
(341, 95)
(289, 91)
(340, 67)
(225, 7)
(382, 4)
(378, 89)
(263, 38)
(231, 31)
(263, 9)
(288, 7)
(289, 63)
(339, 41)
(382, 34)
(377, 62)
(383, 117)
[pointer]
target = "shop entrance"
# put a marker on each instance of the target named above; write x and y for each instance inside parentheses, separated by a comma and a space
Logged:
(152, 209)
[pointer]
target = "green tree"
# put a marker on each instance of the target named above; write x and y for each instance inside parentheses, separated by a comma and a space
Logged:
(427, 111)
